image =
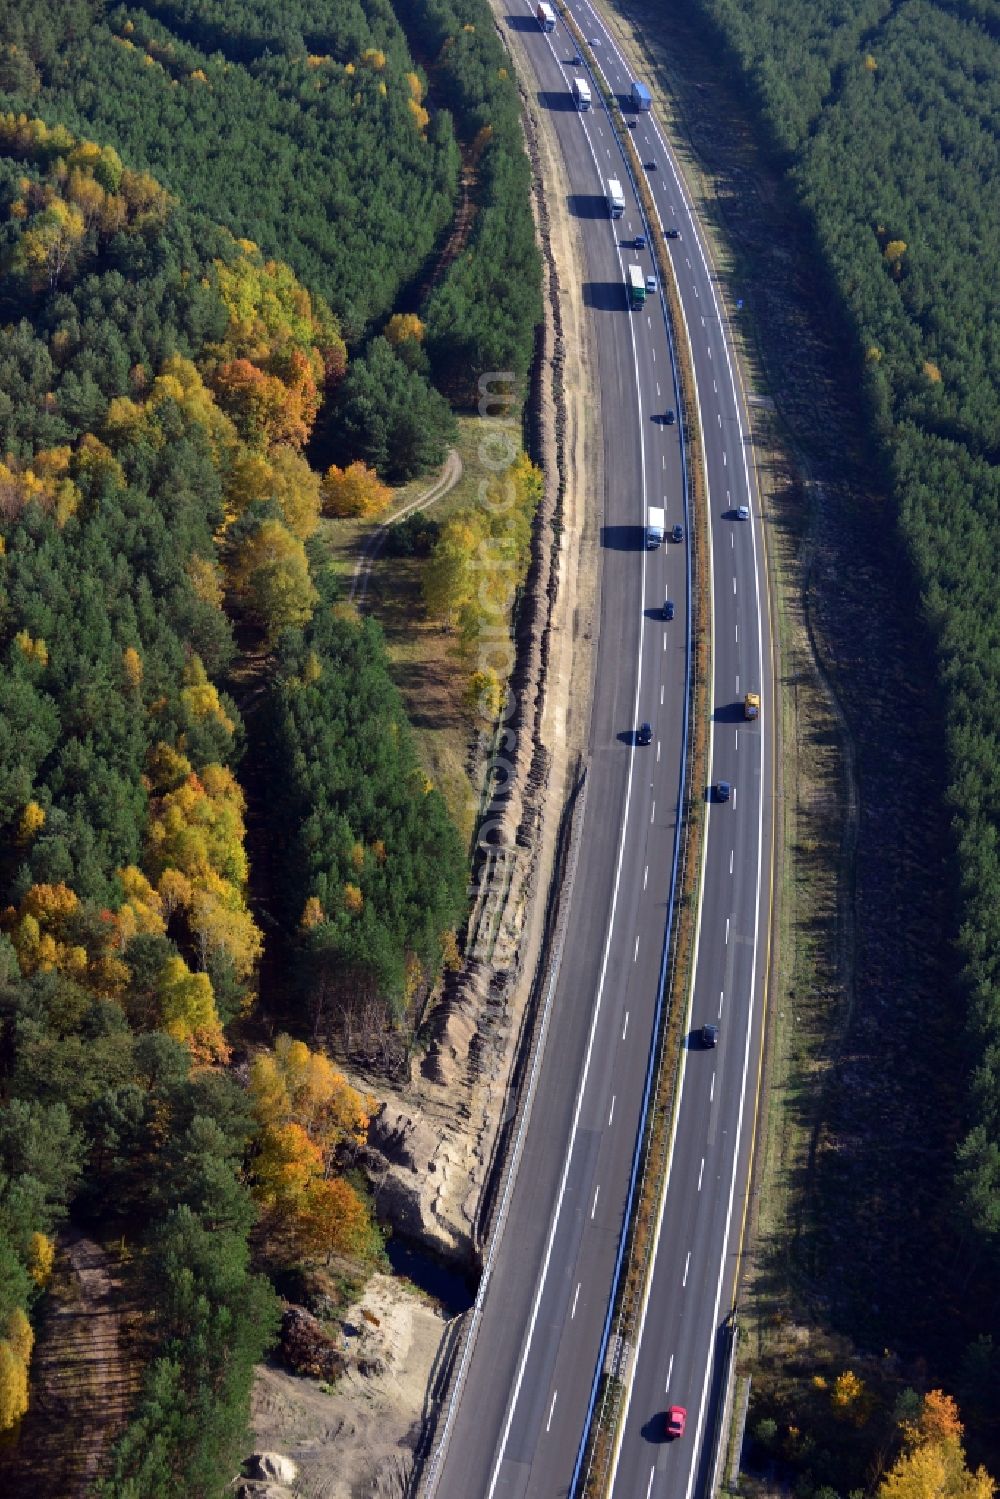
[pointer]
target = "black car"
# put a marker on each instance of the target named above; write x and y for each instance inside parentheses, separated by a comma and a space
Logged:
(673, 234)
(723, 790)
(668, 608)
(644, 734)
(651, 165)
(710, 1035)
(668, 416)
(678, 532)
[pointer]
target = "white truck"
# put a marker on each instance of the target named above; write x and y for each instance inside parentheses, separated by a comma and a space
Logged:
(636, 284)
(546, 16)
(656, 525)
(581, 93)
(616, 198)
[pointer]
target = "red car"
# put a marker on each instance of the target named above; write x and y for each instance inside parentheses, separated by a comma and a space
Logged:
(676, 1421)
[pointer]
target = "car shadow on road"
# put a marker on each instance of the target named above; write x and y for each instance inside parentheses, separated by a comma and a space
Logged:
(729, 713)
(588, 206)
(604, 296)
(655, 1430)
(555, 100)
(522, 23)
(623, 538)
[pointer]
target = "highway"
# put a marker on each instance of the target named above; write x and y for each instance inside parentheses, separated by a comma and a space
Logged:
(516, 1420)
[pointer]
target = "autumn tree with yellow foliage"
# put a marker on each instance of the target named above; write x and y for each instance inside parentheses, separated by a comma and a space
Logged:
(404, 327)
(479, 561)
(932, 1464)
(196, 857)
(45, 481)
(282, 476)
(354, 491)
(271, 314)
(271, 574)
(15, 1352)
(85, 193)
(310, 1118)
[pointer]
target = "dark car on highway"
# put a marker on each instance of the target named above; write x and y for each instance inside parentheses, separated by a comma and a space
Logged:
(723, 791)
(678, 533)
(644, 734)
(668, 416)
(673, 233)
(668, 608)
(710, 1035)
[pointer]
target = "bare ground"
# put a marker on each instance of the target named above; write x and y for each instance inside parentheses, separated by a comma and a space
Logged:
(356, 1440)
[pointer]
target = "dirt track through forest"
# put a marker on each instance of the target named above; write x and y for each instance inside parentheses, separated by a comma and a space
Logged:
(81, 1380)
(445, 481)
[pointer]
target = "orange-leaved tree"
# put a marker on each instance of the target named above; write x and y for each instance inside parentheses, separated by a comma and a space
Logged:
(265, 407)
(309, 1116)
(932, 1464)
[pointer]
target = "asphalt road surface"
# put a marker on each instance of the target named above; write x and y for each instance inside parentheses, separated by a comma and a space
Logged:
(517, 1418)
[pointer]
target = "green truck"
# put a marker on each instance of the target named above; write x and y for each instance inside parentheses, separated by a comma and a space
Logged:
(636, 286)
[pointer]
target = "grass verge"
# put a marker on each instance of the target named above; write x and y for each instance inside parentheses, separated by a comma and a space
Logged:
(423, 656)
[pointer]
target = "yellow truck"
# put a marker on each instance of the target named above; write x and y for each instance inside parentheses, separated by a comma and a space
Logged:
(751, 705)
